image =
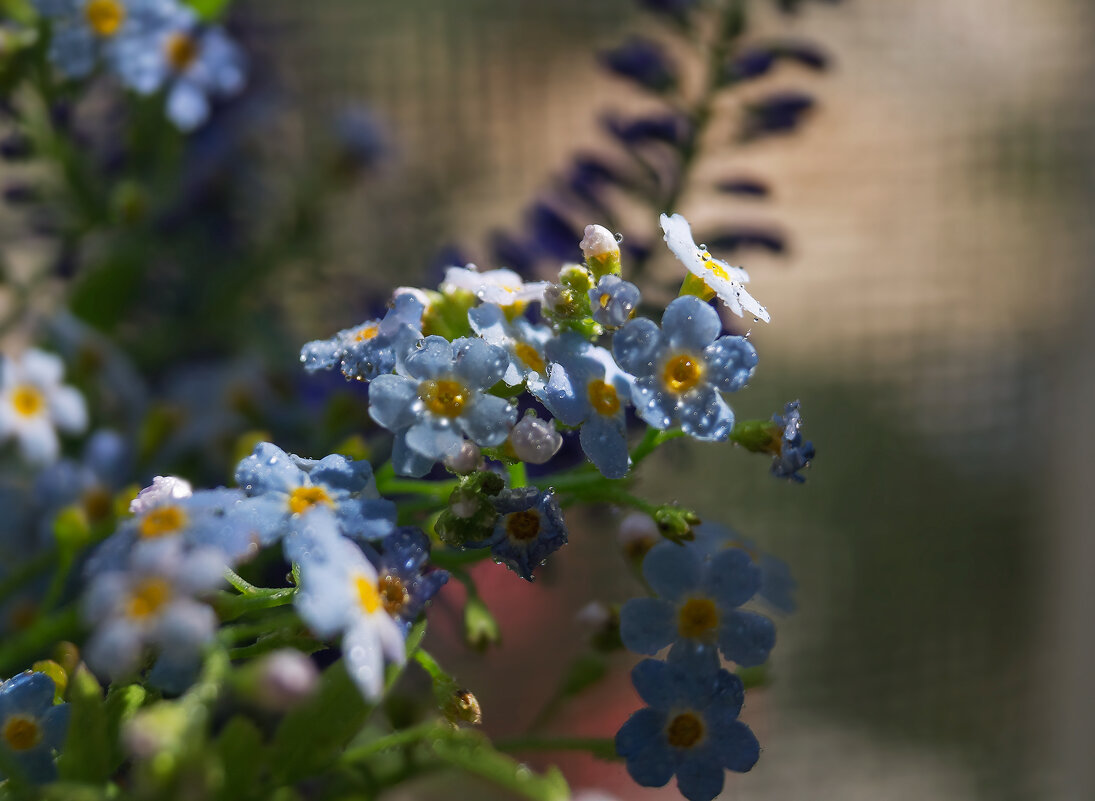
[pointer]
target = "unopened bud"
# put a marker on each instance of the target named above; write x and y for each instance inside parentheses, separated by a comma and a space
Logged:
(467, 460)
(284, 679)
(535, 440)
(601, 250)
(463, 707)
(638, 533)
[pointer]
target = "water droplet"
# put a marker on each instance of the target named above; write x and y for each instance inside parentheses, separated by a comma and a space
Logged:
(619, 237)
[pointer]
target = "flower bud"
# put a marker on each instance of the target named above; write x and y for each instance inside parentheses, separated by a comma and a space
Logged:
(284, 679)
(535, 440)
(466, 460)
(601, 250)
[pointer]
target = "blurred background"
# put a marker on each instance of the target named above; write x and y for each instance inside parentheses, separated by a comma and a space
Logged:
(928, 309)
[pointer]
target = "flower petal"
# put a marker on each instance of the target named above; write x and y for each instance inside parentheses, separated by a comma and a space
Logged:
(647, 625)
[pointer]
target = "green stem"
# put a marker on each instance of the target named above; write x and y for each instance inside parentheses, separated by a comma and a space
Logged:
(396, 739)
(230, 606)
(240, 632)
(651, 441)
(518, 475)
(609, 494)
(602, 747)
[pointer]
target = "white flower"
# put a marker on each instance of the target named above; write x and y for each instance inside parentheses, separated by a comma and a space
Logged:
(164, 489)
(33, 403)
(503, 287)
(721, 278)
(343, 593)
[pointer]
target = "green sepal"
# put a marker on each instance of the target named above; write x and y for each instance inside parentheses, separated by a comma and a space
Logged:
(89, 748)
(447, 314)
(758, 676)
(695, 286)
(675, 523)
(481, 629)
(576, 278)
(473, 492)
(209, 9)
(758, 436)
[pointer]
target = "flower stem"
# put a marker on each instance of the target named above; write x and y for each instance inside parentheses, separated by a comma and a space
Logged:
(601, 747)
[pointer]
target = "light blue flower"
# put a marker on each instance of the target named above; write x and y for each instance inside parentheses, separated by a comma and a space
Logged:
(372, 348)
(437, 397)
(586, 388)
(777, 585)
(308, 501)
(698, 605)
(343, 594)
(34, 405)
(404, 583)
(152, 601)
(690, 727)
(613, 301)
(682, 369)
(32, 727)
(193, 63)
(523, 341)
(85, 32)
(530, 527)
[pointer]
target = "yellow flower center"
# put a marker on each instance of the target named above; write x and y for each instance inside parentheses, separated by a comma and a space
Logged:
(719, 272)
(604, 300)
(28, 400)
(160, 521)
(681, 373)
(523, 526)
(529, 356)
(603, 397)
(366, 332)
(393, 594)
(367, 594)
(180, 49)
(685, 730)
(21, 733)
(104, 17)
(696, 617)
(304, 498)
(444, 397)
(148, 598)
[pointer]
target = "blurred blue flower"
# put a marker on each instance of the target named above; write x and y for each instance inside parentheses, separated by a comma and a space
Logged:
(438, 397)
(671, 128)
(404, 584)
(90, 482)
(85, 32)
(372, 348)
(586, 388)
(697, 605)
(794, 453)
(530, 527)
(643, 61)
(32, 727)
(690, 727)
(777, 585)
(681, 369)
(778, 113)
(34, 405)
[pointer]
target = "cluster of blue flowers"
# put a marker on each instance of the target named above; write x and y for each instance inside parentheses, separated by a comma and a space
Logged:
(150, 46)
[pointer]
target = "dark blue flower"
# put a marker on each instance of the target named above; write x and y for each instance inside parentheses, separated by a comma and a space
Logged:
(31, 726)
(673, 129)
(749, 187)
(698, 605)
(530, 527)
(776, 114)
(794, 453)
(777, 585)
(404, 583)
(690, 727)
(643, 61)
(552, 234)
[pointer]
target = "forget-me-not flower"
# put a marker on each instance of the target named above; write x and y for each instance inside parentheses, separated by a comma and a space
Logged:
(586, 388)
(793, 453)
(437, 397)
(84, 32)
(502, 287)
(32, 727)
(530, 527)
(404, 584)
(523, 341)
(372, 348)
(697, 605)
(777, 585)
(91, 482)
(682, 369)
(613, 301)
(343, 593)
(34, 404)
(690, 727)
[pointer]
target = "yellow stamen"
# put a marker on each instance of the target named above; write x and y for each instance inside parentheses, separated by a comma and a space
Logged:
(719, 272)
(528, 354)
(523, 526)
(180, 49)
(604, 300)
(685, 730)
(365, 333)
(681, 373)
(367, 594)
(148, 598)
(444, 397)
(393, 594)
(21, 732)
(304, 498)
(603, 397)
(28, 400)
(160, 521)
(696, 617)
(104, 17)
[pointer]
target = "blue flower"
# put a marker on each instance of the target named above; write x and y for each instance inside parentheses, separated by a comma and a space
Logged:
(530, 526)
(32, 727)
(643, 61)
(690, 727)
(794, 453)
(777, 585)
(308, 501)
(194, 63)
(372, 348)
(404, 584)
(87, 31)
(698, 605)
(91, 482)
(613, 301)
(586, 388)
(523, 341)
(682, 369)
(343, 594)
(438, 397)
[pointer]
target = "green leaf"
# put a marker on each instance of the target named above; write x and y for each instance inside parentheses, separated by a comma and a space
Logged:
(472, 752)
(209, 9)
(239, 749)
(122, 703)
(312, 736)
(87, 752)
